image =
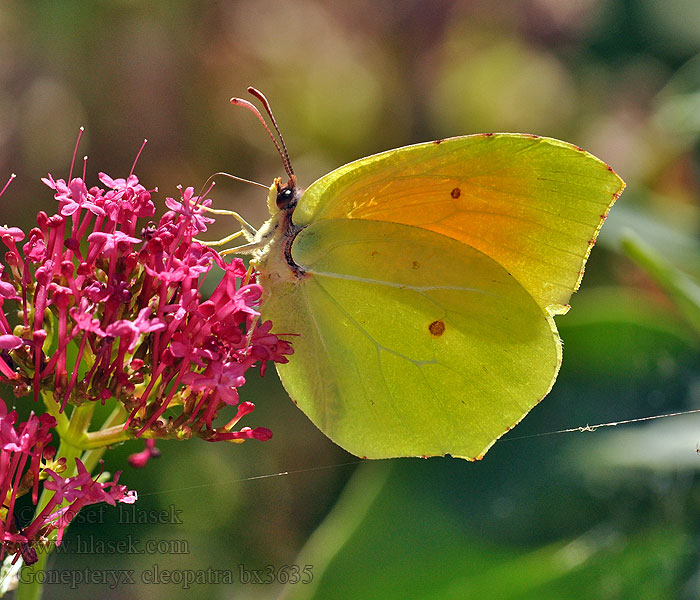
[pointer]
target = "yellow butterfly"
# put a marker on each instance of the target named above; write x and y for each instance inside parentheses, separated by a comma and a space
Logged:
(423, 282)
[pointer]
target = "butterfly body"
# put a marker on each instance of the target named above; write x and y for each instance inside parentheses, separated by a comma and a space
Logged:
(273, 241)
(422, 283)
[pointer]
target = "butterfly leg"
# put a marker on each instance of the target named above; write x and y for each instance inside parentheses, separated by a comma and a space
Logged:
(244, 249)
(246, 230)
(225, 240)
(243, 223)
(249, 272)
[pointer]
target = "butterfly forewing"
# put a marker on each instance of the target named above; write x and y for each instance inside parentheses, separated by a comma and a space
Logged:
(534, 205)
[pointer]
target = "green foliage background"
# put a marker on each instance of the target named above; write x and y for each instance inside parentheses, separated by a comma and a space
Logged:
(612, 514)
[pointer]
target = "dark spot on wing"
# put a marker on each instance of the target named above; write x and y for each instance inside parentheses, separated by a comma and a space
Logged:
(437, 142)
(436, 328)
(456, 193)
(415, 264)
(373, 253)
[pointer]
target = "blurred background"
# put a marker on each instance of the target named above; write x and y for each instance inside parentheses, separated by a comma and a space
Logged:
(610, 514)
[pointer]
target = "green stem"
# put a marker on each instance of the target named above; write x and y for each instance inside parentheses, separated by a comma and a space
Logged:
(53, 408)
(73, 435)
(91, 456)
(30, 576)
(106, 437)
(80, 423)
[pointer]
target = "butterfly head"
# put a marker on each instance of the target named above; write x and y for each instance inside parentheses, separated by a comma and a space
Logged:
(283, 196)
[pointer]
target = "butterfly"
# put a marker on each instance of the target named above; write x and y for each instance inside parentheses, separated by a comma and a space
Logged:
(422, 283)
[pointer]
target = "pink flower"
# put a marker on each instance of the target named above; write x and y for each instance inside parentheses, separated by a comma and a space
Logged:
(127, 196)
(130, 331)
(108, 242)
(140, 459)
(84, 320)
(266, 346)
(220, 379)
(77, 492)
(14, 233)
(191, 208)
(35, 248)
(72, 196)
(10, 342)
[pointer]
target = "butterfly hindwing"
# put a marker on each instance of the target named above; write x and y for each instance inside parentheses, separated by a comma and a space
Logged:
(410, 342)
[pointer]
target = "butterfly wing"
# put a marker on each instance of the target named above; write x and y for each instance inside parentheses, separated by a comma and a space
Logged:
(534, 205)
(411, 343)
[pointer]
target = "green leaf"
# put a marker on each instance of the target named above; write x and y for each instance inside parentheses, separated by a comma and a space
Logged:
(684, 291)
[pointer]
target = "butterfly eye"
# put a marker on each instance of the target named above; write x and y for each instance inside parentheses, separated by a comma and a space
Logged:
(285, 197)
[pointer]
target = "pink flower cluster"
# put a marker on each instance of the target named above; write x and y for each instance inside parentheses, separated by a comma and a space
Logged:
(99, 304)
(111, 310)
(25, 459)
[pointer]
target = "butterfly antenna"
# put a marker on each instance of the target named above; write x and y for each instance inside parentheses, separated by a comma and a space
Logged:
(210, 182)
(285, 159)
(251, 107)
(256, 112)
